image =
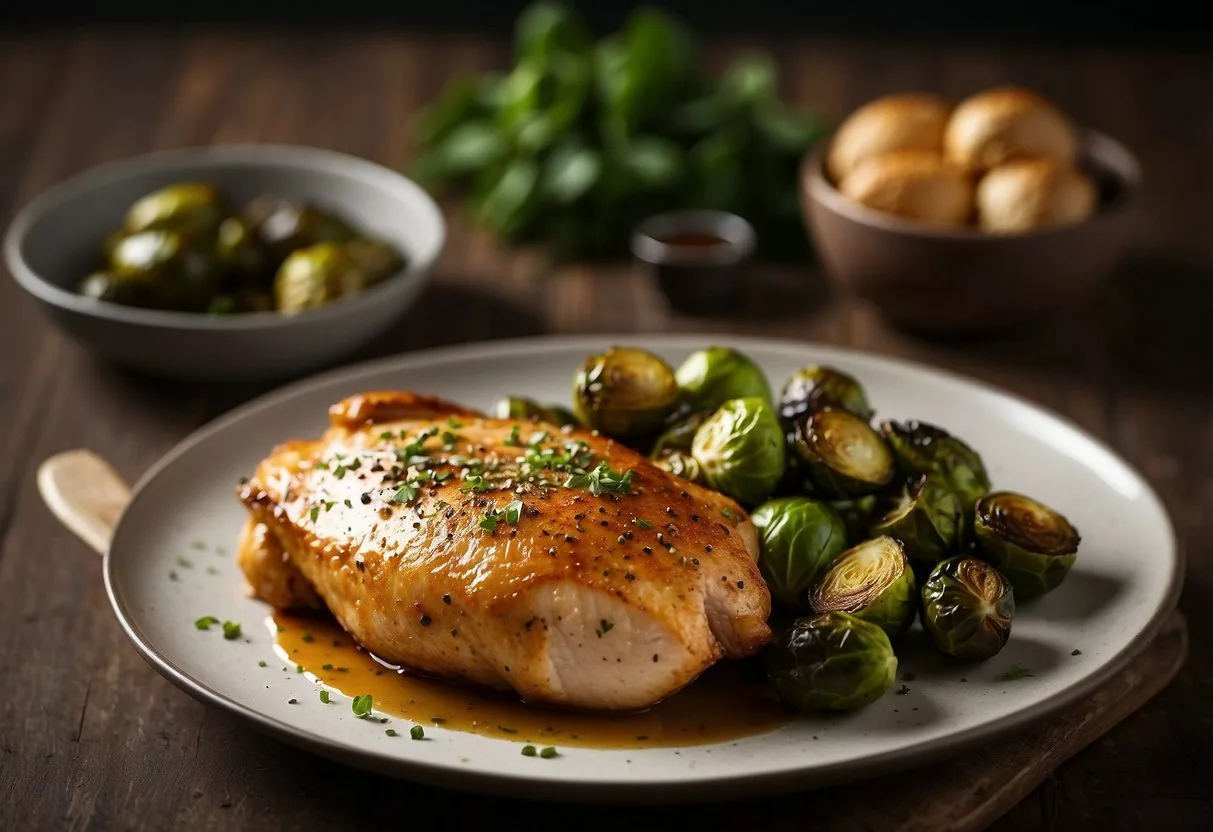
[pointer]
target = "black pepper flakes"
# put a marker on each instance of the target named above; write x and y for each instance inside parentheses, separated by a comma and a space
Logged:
(741, 584)
(694, 518)
(605, 523)
(446, 599)
(670, 511)
(365, 499)
(426, 620)
(708, 548)
(648, 550)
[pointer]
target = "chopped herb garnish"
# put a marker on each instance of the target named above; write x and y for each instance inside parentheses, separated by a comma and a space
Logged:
(404, 494)
(1075, 652)
(308, 637)
(490, 520)
(730, 514)
(548, 753)
(1014, 672)
(198, 544)
(205, 622)
(324, 697)
(602, 480)
(339, 471)
(231, 630)
(513, 511)
(391, 732)
(298, 668)
(347, 502)
(417, 732)
(362, 705)
(326, 667)
(514, 440)
(314, 513)
(604, 627)
(528, 751)
(386, 436)
(261, 663)
(172, 575)
(185, 562)
(477, 483)
(452, 424)
(641, 523)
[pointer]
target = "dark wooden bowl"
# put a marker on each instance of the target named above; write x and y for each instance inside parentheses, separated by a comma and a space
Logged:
(966, 281)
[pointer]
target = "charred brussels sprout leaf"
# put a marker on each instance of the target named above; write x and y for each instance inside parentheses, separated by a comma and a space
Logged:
(856, 514)
(925, 449)
(741, 451)
(315, 276)
(517, 407)
(1028, 542)
(840, 455)
(873, 581)
(831, 662)
(188, 207)
(967, 607)
(799, 540)
(680, 464)
(814, 387)
(928, 520)
(625, 393)
(680, 433)
(712, 376)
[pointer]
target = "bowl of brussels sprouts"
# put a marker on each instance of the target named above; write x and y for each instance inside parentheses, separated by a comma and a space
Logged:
(228, 262)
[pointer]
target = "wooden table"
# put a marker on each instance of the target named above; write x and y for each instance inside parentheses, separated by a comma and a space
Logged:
(91, 737)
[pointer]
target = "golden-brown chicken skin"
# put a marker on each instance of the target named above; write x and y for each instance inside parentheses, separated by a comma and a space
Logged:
(556, 563)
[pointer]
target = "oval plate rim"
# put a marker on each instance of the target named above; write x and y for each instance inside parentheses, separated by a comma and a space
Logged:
(549, 787)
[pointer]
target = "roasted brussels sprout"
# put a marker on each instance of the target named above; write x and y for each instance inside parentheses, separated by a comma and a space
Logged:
(799, 540)
(740, 449)
(240, 253)
(312, 277)
(839, 454)
(179, 276)
(625, 393)
(967, 607)
(680, 464)
(517, 407)
(193, 208)
(928, 520)
(1028, 542)
(284, 226)
(873, 581)
(377, 259)
(710, 377)
(815, 387)
(857, 514)
(924, 449)
(679, 435)
(113, 289)
(831, 662)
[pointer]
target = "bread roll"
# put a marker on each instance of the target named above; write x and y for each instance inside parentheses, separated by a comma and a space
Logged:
(909, 121)
(1022, 196)
(915, 184)
(1004, 125)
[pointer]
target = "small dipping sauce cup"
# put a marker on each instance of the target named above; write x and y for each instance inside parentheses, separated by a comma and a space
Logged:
(697, 258)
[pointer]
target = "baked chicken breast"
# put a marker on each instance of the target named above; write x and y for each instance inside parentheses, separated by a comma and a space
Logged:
(555, 563)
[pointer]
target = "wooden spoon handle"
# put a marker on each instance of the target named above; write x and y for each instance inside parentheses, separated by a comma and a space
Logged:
(86, 494)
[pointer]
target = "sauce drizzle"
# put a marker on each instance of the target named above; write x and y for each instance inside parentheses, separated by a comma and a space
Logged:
(723, 704)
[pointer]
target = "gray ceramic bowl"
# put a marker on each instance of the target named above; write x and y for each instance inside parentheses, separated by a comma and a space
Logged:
(53, 241)
(965, 281)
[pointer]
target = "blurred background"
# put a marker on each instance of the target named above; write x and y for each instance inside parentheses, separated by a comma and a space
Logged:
(1066, 21)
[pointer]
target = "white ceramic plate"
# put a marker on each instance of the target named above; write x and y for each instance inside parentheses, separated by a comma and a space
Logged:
(1126, 579)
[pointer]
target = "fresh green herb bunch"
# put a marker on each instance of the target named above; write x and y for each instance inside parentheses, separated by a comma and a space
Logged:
(582, 139)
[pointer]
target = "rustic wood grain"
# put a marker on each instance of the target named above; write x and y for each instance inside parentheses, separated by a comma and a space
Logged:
(92, 738)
